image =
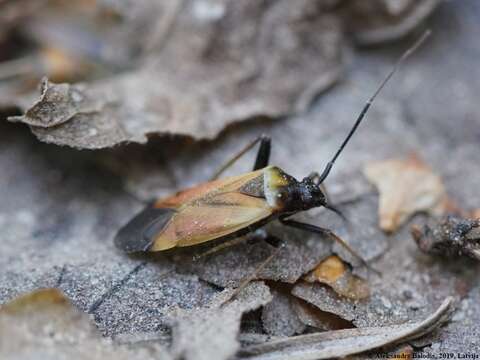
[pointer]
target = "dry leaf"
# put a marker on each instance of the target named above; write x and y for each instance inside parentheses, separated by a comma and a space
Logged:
(220, 64)
(379, 21)
(406, 186)
(316, 318)
(297, 257)
(43, 324)
(340, 343)
(211, 333)
(333, 272)
(450, 237)
(279, 316)
(58, 103)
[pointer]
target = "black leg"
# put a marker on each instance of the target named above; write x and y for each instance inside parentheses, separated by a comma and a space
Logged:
(274, 241)
(323, 231)
(262, 156)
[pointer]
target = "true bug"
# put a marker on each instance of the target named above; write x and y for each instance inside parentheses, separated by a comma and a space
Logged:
(231, 207)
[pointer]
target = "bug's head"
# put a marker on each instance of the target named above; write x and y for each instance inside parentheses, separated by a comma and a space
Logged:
(301, 195)
(310, 193)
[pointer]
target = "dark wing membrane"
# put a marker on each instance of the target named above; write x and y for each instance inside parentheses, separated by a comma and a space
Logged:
(140, 232)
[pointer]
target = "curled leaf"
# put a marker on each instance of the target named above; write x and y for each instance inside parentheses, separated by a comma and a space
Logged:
(406, 186)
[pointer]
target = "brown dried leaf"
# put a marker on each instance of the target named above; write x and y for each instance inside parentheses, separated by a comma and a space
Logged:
(44, 324)
(406, 186)
(220, 64)
(333, 272)
(329, 270)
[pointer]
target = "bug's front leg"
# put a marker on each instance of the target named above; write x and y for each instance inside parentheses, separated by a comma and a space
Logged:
(327, 232)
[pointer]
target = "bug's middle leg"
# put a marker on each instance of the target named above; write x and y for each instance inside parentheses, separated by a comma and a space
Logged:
(263, 155)
(323, 231)
(222, 246)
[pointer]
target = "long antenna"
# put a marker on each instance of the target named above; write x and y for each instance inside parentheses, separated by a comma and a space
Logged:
(405, 55)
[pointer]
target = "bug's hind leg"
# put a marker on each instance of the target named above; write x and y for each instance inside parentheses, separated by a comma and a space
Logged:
(222, 246)
(323, 231)
(263, 155)
(278, 244)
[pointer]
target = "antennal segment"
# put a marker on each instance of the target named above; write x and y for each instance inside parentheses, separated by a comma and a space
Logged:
(405, 55)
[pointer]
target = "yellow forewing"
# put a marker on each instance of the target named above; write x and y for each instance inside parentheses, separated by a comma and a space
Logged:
(210, 211)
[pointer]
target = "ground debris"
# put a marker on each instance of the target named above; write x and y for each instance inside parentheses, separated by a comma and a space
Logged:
(45, 324)
(450, 236)
(279, 317)
(216, 325)
(332, 344)
(58, 103)
(60, 207)
(406, 186)
(299, 255)
(334, 272)
(314, 318)
(246, 70)
(386, 20)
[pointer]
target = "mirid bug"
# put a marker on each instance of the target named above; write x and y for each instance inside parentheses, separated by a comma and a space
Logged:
(229, 208)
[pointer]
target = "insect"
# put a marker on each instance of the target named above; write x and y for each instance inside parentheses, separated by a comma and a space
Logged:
(451, 236)
(228, 208)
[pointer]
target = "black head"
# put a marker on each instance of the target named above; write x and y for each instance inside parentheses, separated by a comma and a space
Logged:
(302, 195)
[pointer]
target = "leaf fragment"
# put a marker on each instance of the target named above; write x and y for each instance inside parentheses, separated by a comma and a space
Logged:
(218, 325)
(279, 317)
(213, 69)
(44, 324)
(406, 186)
(339, 343)
(58, 103)
(333, 272)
